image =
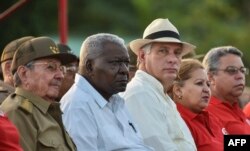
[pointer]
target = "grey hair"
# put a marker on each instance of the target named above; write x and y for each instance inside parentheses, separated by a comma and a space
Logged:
(16, 79)
(146, 49)
(93, 45)
(212, 59)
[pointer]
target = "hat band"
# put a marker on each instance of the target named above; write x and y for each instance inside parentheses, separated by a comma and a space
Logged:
(161, 34)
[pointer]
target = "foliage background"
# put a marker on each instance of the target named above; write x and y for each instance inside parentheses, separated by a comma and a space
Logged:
(206, 23)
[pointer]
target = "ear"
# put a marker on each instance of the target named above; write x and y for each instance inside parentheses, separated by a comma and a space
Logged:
(89, 66)
(23, 74)
(141, 56)
(211, 78)
(177, 91)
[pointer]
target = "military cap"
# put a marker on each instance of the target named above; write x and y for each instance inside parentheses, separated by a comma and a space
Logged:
(63, 48)
(38, 48)
(10, 48)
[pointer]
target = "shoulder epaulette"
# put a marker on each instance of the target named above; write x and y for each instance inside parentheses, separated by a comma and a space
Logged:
(26, 105)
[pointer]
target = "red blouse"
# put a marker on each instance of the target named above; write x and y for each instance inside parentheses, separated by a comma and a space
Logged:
(9, 137)
(206, 129)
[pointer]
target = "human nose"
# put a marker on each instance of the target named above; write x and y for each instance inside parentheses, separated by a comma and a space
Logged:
(206, 89)
(123, 68)
(240, 75)
(60, 72)
(172, 58)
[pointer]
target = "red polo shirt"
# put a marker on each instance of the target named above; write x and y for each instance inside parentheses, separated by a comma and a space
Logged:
(205, 128)
(9, 137)
(232, 117)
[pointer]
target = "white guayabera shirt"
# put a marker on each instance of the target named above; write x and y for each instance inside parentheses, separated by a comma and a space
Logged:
(96, 124)
(156, 115)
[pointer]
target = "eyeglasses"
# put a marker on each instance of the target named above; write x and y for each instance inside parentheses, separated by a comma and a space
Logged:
(52, 66)
(71, 69)
(231, 70)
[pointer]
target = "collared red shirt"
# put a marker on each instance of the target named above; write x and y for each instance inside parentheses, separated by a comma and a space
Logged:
(39, 130)
(156, 115)
(96, 124)
(206, 129)
(232, 117)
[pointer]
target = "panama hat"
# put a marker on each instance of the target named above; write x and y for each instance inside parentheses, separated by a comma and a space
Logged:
(160, 30)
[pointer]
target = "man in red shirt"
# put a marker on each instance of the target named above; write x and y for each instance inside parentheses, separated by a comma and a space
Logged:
(226, 73)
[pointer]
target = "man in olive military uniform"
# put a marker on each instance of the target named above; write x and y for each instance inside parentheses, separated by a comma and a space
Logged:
(6, 86)
(38, 72)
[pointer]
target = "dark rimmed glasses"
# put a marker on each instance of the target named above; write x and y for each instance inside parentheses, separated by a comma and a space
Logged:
(232, 70)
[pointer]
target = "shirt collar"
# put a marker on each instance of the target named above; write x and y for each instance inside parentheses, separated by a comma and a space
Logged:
(214, 100)
(115, 100)
(150, 79)
(37, 101)
(185, 112)
(1, 113)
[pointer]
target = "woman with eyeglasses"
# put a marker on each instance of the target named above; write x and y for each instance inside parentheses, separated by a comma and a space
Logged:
(191, 94)
(226, 73)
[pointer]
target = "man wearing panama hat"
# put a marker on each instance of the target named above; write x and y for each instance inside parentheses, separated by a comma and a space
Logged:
(159, 54)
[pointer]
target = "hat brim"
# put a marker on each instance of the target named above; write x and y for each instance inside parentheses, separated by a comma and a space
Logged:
(65, 58)
(137, 44)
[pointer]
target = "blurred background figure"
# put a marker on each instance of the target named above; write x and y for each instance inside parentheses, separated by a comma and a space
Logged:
(244, 99)
(245, 102)
(132, 63)
(7, 56)
(71, 69)
(7, 86)
(191, 94)
(194, 55)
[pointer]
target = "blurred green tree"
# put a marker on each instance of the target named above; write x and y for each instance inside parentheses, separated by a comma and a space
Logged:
(207, 23)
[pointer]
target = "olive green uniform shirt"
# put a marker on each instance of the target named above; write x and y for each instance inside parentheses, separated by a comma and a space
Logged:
(5, 90)
(39, 123)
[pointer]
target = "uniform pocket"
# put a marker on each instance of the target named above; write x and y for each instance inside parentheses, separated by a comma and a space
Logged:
(49, 144)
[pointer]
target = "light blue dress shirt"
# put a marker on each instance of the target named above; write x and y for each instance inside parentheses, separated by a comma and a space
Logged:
(96, 124)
